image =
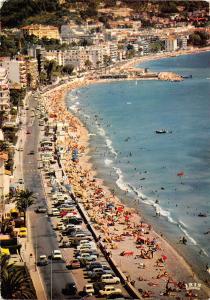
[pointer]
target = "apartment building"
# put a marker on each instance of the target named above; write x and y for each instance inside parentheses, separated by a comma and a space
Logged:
(38, 53)
(77, 57)
(171, 44)
(4, 90)
(182, 42)
(113, 51)
(16, 70)
(56, 55)
(41, 31)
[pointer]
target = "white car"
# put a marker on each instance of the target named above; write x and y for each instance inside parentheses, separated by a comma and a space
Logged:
(84, 242)
(109, 290)
(89, 289)
(87, 256)
(109, 278)
(86, 246)
(55, 212)
(56, 254)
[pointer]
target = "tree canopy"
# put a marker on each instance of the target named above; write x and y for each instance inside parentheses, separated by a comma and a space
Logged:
(15, 12)
(199, 38)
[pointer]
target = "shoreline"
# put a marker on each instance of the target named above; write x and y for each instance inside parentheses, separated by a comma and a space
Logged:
(85, 161)
(143, 59)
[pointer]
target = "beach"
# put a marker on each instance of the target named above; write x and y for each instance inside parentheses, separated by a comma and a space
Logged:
(146, 259)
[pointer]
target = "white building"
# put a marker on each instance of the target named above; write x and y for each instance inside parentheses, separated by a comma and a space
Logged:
(56, 55)
(113, 51)
(4, 90)
(182, 42)
(16, 71)
(78, 56)
(171, 44)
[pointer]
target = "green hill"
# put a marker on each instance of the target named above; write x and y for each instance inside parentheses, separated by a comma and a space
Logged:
(15, 13)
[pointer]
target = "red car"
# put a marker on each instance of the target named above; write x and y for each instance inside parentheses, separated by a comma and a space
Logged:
(73, 264)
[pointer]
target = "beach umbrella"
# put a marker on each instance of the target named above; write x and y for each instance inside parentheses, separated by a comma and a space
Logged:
(120, 208)
(180, 174)
(127, 218)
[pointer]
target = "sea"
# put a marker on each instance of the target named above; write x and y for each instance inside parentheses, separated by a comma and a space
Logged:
(165, 176)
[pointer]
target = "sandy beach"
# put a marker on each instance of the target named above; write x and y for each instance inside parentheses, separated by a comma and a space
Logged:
(148, 261)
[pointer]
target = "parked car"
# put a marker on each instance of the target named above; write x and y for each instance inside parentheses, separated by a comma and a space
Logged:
(31, 152)
(43, 261)
(56, 255)
(89, 289)
(89, 251)
(55, 212)
(108, 270)
(70, 289)
(86, 242)
(41, 209)
(94, 264)
(88, 246)
(109, 278)
(73, 264)
(20, 181)
(109, 290)
(75, 220)
(87, 257)
(96, 272)
(22, 232)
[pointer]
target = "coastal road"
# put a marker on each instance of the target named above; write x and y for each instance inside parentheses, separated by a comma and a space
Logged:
(54, 275)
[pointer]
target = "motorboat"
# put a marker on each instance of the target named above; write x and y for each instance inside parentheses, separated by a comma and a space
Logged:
(161, 131)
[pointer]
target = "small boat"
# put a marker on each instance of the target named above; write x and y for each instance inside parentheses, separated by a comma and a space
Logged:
(187, 76)
(202, 215)
(161, 131)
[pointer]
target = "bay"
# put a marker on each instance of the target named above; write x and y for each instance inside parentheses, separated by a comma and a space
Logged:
(122, 118)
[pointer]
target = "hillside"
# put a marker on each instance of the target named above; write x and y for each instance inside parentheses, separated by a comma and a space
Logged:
(15, 13)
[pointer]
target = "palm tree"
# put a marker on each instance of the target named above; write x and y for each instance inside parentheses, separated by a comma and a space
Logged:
(15, 283)
(24, 199)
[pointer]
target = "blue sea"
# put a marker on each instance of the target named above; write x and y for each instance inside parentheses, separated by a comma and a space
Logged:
(122, 118)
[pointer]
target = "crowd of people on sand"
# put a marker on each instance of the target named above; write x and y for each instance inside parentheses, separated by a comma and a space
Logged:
(123, 234)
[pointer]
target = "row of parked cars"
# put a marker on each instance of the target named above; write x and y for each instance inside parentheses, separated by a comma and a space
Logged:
(100, 277)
